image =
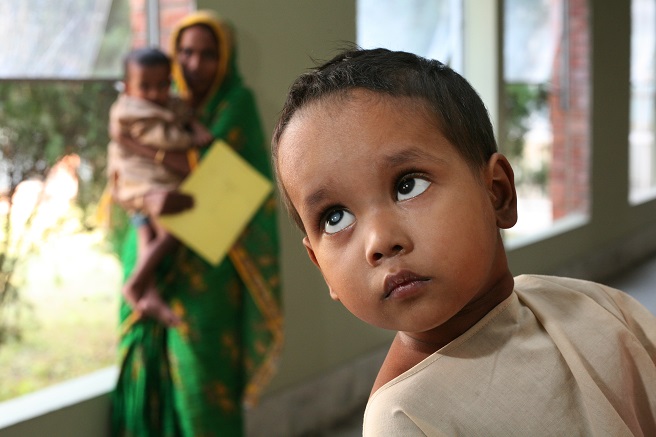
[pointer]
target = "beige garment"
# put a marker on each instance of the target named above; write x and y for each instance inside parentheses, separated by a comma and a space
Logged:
(559, 357)
(160, 127)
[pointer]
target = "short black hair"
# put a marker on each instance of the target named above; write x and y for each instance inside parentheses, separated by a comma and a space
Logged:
(457, 107)
(146, 57)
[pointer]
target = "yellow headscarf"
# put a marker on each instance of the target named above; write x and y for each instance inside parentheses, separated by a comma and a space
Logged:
(225, 47)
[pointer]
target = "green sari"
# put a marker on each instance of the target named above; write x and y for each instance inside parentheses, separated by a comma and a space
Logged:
(196, 378)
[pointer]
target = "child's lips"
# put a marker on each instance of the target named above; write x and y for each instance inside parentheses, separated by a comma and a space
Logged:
(402, 283)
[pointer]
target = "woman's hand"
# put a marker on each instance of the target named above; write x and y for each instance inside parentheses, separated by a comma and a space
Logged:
(160, 202)
(201, 136)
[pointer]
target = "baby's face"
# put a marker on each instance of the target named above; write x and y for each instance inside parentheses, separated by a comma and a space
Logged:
(402, 229)
(150, 83)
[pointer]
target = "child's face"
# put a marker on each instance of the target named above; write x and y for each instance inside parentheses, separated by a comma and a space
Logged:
(150, 83)
(404, 232)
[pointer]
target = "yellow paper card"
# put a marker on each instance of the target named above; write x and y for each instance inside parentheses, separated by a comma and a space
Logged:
(227, 191)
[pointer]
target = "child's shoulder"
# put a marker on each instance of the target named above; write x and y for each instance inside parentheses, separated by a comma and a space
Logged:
(554, 281)
(561, 284)
(128, 109)
(575, 304)
(129, 106)
(559, 290)
(563, 303)
(549, 325)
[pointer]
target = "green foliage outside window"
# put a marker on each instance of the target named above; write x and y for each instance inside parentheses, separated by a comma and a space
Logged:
(522, 101)
(41, 122)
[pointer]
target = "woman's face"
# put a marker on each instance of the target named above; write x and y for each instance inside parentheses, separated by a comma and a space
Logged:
(198, 56)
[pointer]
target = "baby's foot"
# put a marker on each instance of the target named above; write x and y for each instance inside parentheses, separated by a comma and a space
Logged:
(152, 305)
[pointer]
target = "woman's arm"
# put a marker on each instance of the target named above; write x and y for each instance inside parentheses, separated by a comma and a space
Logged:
(175, 161)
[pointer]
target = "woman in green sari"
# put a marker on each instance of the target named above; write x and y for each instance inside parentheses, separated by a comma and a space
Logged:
(193, 379)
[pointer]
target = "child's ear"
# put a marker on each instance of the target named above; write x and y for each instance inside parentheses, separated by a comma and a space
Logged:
(313, 258)
(500, 182)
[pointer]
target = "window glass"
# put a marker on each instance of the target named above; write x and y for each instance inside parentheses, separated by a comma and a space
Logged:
(642, 157)
(59, 279)
(545, 122)
(545, 132)
(64, 39)
(429, 28)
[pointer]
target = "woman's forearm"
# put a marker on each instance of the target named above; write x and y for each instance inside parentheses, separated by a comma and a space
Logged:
(175, 161)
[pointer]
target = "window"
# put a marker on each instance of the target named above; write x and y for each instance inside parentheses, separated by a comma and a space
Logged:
(544, 125)
(546, 129)
(59, 279)
(68, 39)
(642, 152)
(429, 28)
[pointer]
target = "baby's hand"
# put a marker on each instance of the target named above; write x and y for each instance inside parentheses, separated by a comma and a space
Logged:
(201, 136)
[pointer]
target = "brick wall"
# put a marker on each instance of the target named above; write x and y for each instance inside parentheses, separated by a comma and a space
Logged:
(569, 107)
(170, 12)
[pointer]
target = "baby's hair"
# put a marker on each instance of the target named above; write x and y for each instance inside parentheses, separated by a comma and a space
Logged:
(460, 113)
(146, 57)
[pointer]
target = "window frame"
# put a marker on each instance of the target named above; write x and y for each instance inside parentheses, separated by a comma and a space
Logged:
(574, 246)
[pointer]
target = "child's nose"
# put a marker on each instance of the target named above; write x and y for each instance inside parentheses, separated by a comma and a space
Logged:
(385, 238)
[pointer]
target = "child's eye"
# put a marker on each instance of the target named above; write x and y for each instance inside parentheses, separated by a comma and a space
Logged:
(410, 187)
(337, 220)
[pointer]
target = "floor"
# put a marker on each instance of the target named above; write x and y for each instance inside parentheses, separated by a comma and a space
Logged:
(639, 282)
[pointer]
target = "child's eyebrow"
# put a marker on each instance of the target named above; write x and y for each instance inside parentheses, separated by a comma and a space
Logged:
(409, 155)
(315, 198)
(400, 158)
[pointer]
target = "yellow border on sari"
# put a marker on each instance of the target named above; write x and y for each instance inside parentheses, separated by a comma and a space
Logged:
(273, 320)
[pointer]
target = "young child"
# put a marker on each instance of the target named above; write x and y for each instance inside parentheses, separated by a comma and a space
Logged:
(388, 164)
(147, 113)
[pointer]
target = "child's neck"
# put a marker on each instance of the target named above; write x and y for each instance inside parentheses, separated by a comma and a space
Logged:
(409, 349)
(434, 339)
